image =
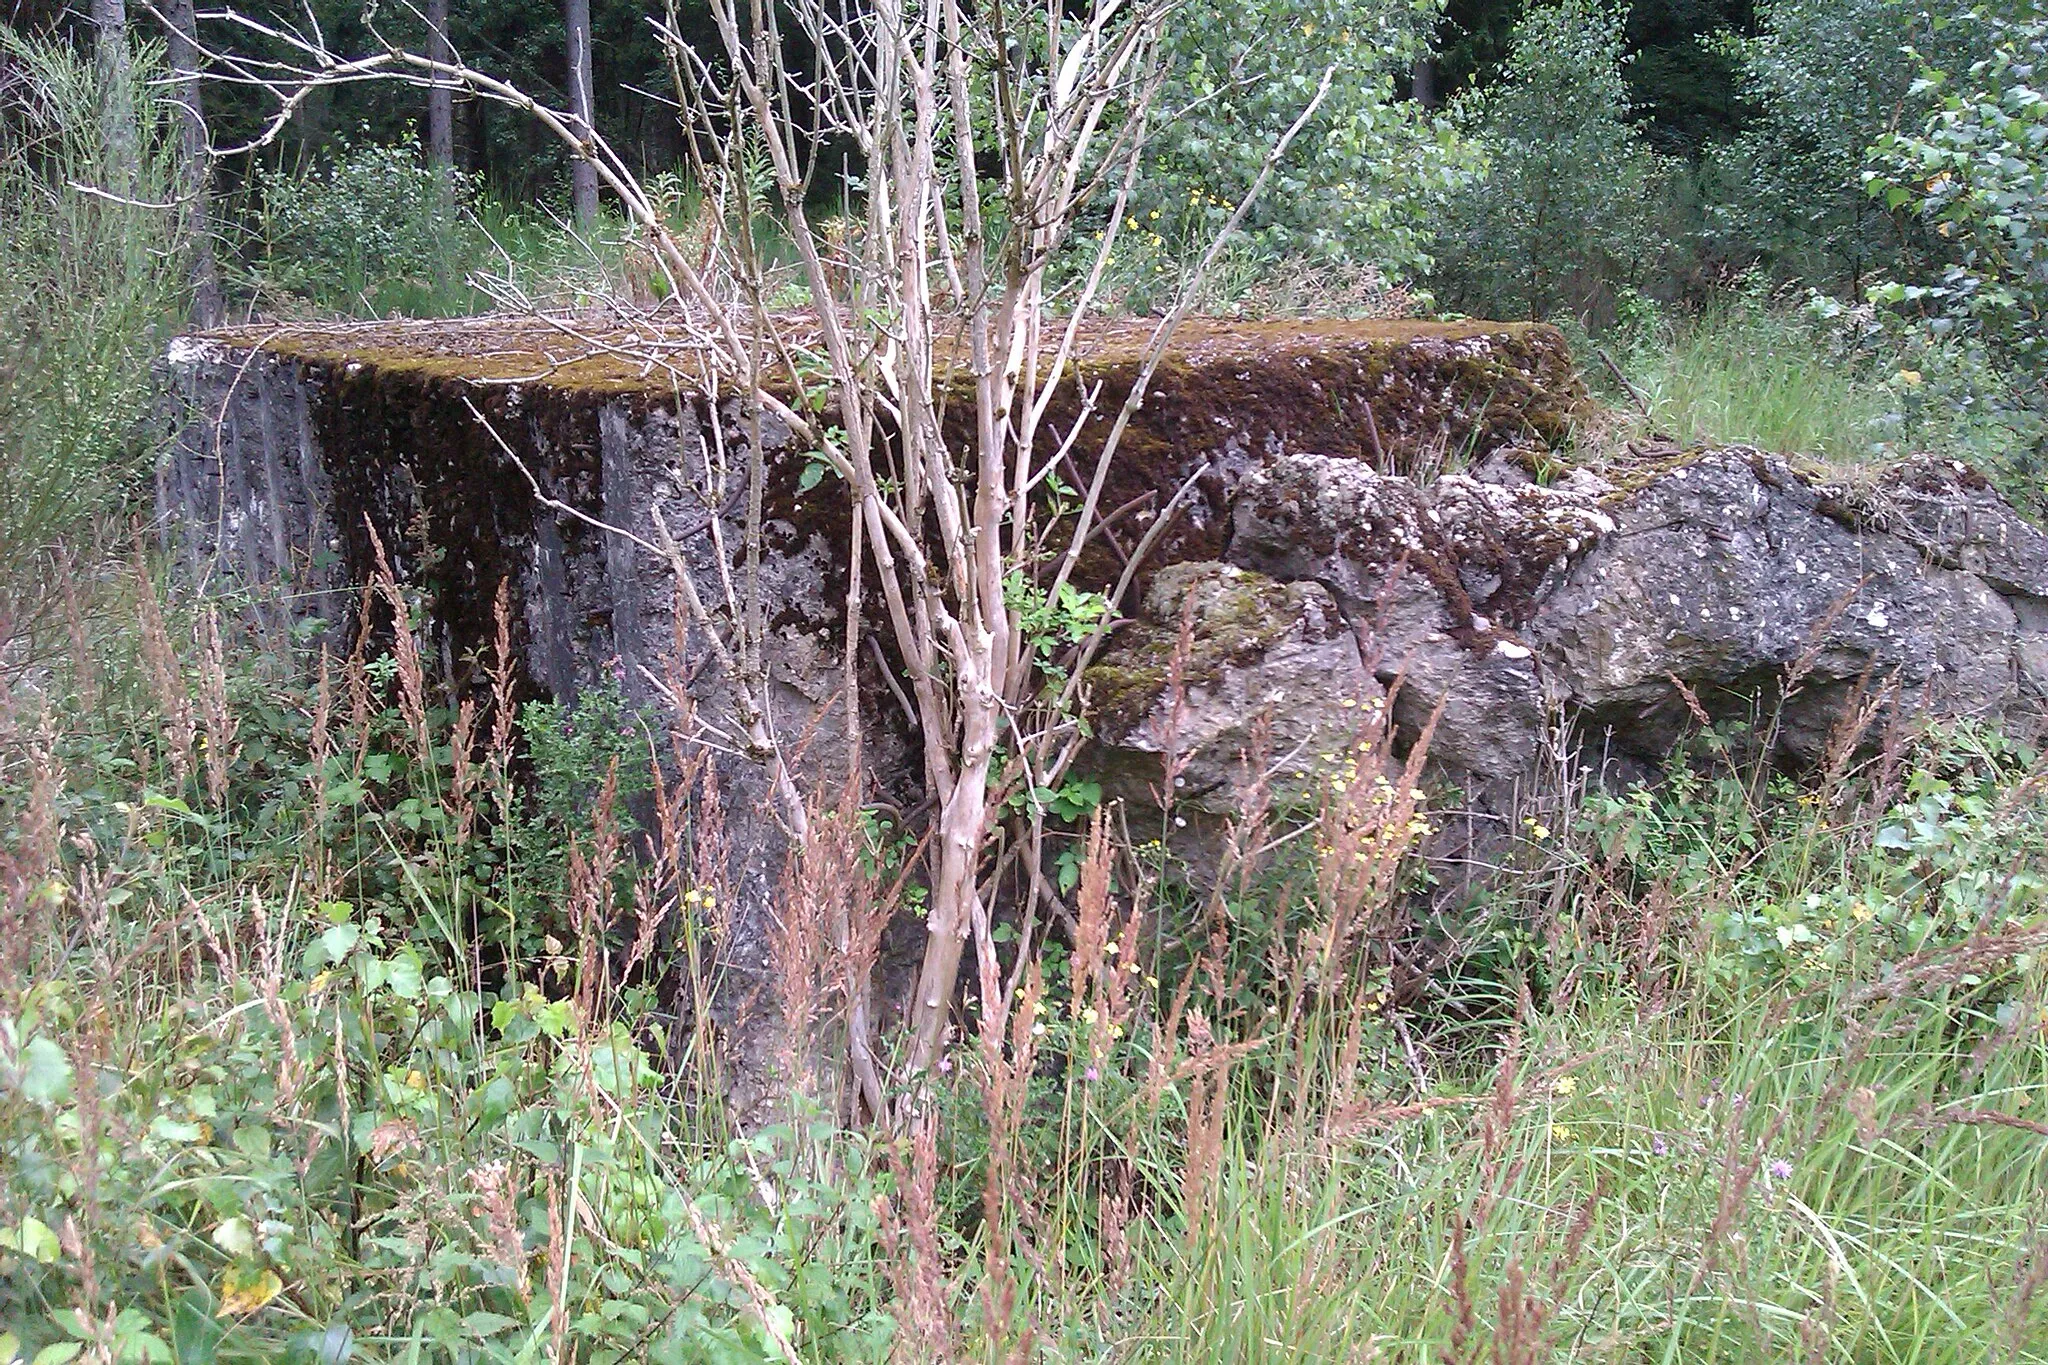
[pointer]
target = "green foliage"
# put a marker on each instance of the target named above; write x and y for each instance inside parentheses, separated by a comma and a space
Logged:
(1560, 216)
(288, 1099)
(1828, 380)
(1974, 174)
(1789, 1042)
(1790, 902)
(1361, 183)
(372, 231)
(577, 747)
(1682, 74)
(1826, 78)
(1776, 1038)
(88, 289)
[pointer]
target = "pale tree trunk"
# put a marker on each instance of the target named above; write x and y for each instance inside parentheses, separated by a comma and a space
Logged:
(117, 94)
(441, 101)
(576, 19)
(195, 164)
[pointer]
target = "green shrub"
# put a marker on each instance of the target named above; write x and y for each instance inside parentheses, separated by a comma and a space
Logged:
(1826, 79)
(275, 1086)
(1564, 213)
(89, 287)
(1794, 896)
(1361, 184)
(1976, 175)
(372, 231)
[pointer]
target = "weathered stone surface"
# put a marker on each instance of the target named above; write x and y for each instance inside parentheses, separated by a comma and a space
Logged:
(1725, 580)
(290, 471)
(1317, 567)
(1736, 577)
(297, 445)
(1952, 514)
(1437, 579)
(1257, 654)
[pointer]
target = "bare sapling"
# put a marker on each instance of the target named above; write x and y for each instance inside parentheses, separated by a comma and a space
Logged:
(946, 314)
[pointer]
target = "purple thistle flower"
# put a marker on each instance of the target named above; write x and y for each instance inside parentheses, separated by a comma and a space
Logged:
(1091, 1074)
(1657, 1145)
(1781, 1169)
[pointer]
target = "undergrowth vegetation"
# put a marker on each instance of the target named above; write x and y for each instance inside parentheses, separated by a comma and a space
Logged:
(88, 283)
(1819, 379)
(374, 231)
(324, 1037)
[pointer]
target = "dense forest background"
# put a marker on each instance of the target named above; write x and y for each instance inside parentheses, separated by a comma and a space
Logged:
(1663, 147)
(1683, 77)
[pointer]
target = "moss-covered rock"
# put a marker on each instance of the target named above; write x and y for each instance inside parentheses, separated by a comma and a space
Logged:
(1237, 678)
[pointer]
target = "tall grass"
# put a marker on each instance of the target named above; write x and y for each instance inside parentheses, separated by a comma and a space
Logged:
(1742, 371)
(87, 287)
(1831, 385)
(318, 1042)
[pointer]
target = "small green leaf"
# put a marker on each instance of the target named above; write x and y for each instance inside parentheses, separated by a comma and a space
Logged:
(235, 1237)
(488, 1324)
(45, 1072)
(402, 974)
(32, 1239)
(338, 942)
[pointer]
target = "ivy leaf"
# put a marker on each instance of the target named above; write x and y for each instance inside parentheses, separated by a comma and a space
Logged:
(338, 942)
(402, 974)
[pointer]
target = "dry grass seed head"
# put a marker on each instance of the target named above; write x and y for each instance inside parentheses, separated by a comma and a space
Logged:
(166, 674)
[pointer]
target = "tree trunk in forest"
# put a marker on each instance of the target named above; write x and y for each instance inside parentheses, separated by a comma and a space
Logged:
(195, 162)
(117, 95)
(576, 18)
(1422, 81)
(441, 101)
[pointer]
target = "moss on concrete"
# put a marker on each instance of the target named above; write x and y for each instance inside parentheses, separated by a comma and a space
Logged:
(1225, 395)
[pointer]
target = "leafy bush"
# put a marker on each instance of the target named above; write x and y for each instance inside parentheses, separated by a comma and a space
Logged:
(1791, 892)
(373, 230)
(266, 1093)
(1561, 215)
(1826, 79)
(1976, 174)
(1361, 184)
